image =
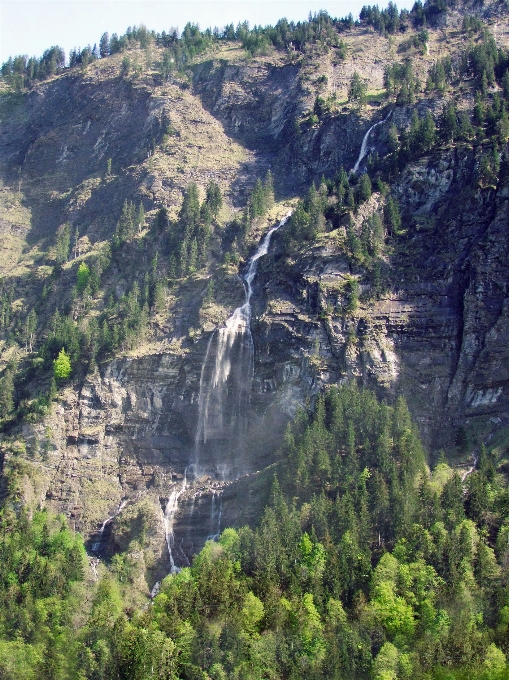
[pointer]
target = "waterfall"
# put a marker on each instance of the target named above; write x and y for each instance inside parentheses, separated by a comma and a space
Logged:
(226, 376)
(470, 469)
(364, 145)
(96, 545)
(169, 519)
(215, 517)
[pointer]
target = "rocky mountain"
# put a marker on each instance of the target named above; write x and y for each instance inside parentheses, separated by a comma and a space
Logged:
(177, 428)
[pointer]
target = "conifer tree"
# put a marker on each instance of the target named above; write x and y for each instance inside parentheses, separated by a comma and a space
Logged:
(357, 90)
(29, 330)
(364, 188)
(268, 188)
(6, 393)
(104, 45)
(214, 198)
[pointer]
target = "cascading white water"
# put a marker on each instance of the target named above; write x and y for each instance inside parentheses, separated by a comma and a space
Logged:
(169, 519)
(227, 372)
(228, 363)
(470, 469)
(364, 145)
(96, 546)
(215, 517)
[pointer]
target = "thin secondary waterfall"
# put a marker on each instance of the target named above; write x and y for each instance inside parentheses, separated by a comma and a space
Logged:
(96, 546)
(470, 469)
(215, 517)
(364, 145)
(226, 378)
(169, 519)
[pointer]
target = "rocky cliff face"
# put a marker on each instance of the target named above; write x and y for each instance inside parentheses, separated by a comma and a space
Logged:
(438, 336)
(119, 444)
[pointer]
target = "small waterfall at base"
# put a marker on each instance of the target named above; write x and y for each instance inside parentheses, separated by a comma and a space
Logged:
(226, 379)
(169, 519)
(364, 145)
(215, 517)
(97, 544)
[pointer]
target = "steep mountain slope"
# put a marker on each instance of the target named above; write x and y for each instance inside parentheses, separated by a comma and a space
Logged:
(123, 431)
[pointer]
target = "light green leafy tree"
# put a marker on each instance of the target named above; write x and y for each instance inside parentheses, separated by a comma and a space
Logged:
(82, 276)
(62, 366)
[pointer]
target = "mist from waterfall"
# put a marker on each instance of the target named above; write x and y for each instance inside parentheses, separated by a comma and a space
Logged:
(169, 520)
(227, 375)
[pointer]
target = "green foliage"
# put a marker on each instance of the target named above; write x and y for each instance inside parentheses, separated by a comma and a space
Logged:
(449, 123)
(82, 277)
(489, 168)
(22, 72)
(62, 366)
(353, 296)
(320, 107)
(125, 68)
(422, 134)
(392, 216)
(132, 219)
(307, 220)
(320, 29)
(472, 23)
(364, 188)
(357, 89)
(440, 75)
(188, 239)
(214, 198)
(104, 45)
(359, 542)
(63, 243)
(41, 561)
(400, 81)
(6, 392)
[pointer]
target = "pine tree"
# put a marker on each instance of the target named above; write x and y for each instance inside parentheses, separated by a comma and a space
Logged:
(268, 188)
(104, 45)
(357, 90)
(52, 391)
(63, 243)
(364, 188)
(258, 201)
(214, 198)
(503, 126)
(172, 267)
(140, 218)
(6, 393)
(193, 256)
(448, 123)
(29, 330)
(478, 110)
(189, 216)
(125, 228)
(182, 259)
(392, 216)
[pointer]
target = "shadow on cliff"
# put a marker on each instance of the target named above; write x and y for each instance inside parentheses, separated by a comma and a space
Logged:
(57, 151)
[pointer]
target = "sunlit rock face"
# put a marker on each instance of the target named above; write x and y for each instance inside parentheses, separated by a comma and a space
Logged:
(437, 332)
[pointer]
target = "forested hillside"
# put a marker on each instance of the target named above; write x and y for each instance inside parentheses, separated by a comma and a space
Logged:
(363, 564)
(254, 364)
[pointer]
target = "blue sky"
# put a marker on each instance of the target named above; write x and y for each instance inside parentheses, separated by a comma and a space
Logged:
(31, 26)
